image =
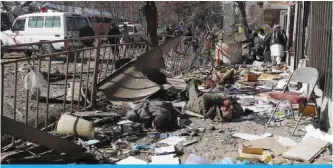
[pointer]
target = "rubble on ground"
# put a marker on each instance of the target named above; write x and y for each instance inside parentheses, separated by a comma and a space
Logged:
(129, 135)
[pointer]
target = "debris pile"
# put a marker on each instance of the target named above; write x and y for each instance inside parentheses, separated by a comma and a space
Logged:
(179, 121)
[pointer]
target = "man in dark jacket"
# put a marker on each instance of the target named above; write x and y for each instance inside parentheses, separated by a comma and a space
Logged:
(250, 41)
(114, 31)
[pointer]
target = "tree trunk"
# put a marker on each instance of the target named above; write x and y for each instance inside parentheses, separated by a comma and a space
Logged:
(241, 6)
(151, 19)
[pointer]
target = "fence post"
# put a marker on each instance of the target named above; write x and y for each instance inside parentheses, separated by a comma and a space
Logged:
(95, 75)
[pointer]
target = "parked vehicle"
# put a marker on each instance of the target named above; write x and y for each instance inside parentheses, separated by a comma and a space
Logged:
(48, 26)
(135, 30)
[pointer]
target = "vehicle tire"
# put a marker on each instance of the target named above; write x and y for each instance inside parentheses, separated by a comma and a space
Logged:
(87, 32)
(47, 49)
(28, 53)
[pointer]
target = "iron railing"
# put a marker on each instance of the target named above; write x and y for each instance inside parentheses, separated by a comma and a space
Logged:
(72, 77)
(71, 84)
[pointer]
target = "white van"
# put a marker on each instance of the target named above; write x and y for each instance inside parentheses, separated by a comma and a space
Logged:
(135, 30)
(47, 26)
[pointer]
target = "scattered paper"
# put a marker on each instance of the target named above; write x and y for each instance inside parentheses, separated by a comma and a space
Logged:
(165, 150)
(179, 104)
(287, 142)
(124, 122)
(172, 140)
(266, 143)
(164, 159)
(194, 159)
(316, 133)
(307, 150)
(131, 160)
(251, 137)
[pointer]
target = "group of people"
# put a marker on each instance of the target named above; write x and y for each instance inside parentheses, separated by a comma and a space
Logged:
(270, 46)
(115, 33)
(171, 31)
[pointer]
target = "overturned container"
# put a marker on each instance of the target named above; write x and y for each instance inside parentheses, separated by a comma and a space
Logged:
(229, 53)
(69, 124)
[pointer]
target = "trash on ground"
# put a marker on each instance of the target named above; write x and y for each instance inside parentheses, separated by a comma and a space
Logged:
(165, 150)
(316, 133)
(307, 150)
(267, 143)
(287, 142)
(174, 140)
(142, 147)
(131, 161)
(164, 159)
(69, 124)
(251, 137)
(195, 159)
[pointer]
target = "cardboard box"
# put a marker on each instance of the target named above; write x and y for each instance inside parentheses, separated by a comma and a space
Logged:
(310, 109)
(251, 77)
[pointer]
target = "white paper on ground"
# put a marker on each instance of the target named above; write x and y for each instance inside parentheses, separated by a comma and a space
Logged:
(131, 160)
(316, 133)
(172, 140)
(164, 159)
(251, 137)
(194, 159)
(179, 104)
(286, 141)
(281, 84)
(167, 149)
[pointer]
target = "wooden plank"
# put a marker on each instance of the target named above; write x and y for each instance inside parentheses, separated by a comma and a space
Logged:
(34, 135)
(307, 150)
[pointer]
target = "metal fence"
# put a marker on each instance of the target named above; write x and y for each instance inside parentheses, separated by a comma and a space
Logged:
(314, 39)
(71, 77)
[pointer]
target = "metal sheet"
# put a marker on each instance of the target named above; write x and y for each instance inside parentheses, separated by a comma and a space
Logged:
(128, 84)
(20, 130)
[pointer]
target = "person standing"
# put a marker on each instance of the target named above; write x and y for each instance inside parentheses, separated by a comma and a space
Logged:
(125, 34)
(114, 31)
(278, 40)
(250, 41)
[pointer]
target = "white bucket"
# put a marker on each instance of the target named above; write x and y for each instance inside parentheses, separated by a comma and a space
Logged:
(231, 53)
(68, 123)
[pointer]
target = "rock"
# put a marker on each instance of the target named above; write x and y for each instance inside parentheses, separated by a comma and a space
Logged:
(212, 128)
(201, 130)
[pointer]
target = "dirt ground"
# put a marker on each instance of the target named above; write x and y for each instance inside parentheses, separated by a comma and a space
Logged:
(216, 141)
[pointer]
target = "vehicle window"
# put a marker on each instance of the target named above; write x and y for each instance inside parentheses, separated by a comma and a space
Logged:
(19, 25)
(40, 22)
(52, 21)
(70, 21)
(130, 28)
(81, 22)
(32, 22)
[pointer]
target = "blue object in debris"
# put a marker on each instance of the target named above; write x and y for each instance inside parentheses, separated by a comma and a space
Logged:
(245, 162)
(143, 147)
(228, 161)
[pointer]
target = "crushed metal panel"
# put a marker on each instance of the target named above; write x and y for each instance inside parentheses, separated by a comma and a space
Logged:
(128, 84)
(20, 130)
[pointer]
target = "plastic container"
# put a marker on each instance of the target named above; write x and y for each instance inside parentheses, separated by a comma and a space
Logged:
(69, 124)
(231, 53)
